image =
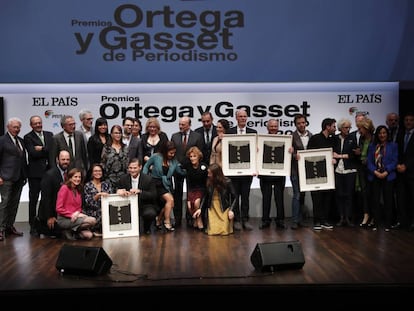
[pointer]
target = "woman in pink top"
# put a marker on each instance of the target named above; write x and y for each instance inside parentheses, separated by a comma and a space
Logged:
(70, 218)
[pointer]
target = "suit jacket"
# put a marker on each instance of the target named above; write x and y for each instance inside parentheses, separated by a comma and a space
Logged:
(206, 146)
(390, 160)
(39, 161)
(135, 149)
(194, 139)
(13, 164)
(50, 185)
(233, 130)
(147, 186)
(406, 157)
(297, 145)
(81, 157)
(348, 146)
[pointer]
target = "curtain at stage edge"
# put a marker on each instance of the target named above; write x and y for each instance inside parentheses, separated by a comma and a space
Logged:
(1, 116)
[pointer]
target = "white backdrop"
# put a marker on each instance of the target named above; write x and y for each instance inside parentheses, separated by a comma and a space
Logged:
(168, 102)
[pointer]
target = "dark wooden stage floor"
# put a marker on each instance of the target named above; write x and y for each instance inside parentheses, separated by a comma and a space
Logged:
(348, 262)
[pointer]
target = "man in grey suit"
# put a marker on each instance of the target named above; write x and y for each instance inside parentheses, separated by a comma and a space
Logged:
(300, 139)
(184, 139)
(13, 174)
(73, 141)
(40, 147)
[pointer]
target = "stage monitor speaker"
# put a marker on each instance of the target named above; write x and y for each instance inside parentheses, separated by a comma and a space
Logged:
(277, 256)
(81, 260)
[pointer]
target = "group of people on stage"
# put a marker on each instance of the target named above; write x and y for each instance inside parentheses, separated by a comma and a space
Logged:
(71, 171)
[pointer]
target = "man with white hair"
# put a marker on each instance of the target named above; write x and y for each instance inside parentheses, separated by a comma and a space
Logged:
(13, 174)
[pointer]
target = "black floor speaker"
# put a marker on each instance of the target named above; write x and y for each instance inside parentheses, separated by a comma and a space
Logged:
(277, 256)
(81, 260)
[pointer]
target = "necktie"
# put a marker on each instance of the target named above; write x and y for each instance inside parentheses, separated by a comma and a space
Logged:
(185, 140)
(207, 137)
(392, 134)
(71, 145)
(65, 176)
(42, 138)
(17, 144)
(241, 131)
(406, 139)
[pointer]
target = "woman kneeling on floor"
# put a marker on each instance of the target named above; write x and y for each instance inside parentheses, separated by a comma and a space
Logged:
(70, 218)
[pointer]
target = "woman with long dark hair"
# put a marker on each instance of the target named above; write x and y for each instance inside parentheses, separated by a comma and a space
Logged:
(218, 203)
(382, 163)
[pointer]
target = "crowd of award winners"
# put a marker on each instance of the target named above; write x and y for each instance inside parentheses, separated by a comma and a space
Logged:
(178, 178)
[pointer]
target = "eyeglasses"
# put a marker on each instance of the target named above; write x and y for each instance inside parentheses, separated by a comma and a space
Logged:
(89, 119)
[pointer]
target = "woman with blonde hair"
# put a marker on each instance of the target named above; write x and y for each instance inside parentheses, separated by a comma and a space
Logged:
(153, 138)
(196, 179)
(367, 129)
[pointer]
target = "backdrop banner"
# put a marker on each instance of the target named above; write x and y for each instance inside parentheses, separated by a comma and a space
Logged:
(170, 101)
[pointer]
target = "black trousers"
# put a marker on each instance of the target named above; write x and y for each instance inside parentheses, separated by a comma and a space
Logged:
(275, 186)
(242, 186)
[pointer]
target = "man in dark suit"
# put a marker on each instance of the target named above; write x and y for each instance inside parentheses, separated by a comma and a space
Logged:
(208, 132)
(322, 199)
(242, 184)
(40, 147)
(52, 180)
(73, 141)
(135, 149)
(142, 185)
(13, 174)
(404, 185)
(392, 121)
(272, 184)
(183, 140)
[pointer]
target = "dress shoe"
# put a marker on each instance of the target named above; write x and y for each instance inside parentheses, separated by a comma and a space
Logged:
(68, 235)
(396, 226)
(247, 226)
(280, 224)
(237, 226)
(297, 225)
(13, 231)
(264, 225)
(177, 224)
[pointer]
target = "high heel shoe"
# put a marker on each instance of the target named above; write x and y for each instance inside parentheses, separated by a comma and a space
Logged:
(158, 225)
(168, 227)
